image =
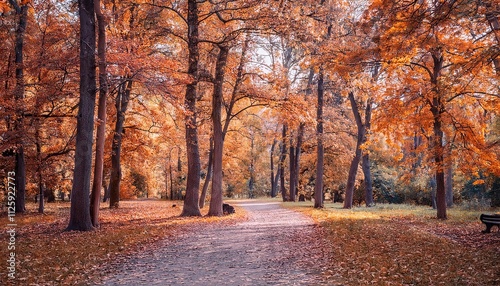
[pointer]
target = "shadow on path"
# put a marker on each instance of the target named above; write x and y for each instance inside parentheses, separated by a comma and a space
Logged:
(271, 248)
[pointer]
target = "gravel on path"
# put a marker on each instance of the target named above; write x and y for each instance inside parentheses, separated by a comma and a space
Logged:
(273, 247)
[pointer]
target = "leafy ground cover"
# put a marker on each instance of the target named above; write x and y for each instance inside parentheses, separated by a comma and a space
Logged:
(406, 245)
(48, 255)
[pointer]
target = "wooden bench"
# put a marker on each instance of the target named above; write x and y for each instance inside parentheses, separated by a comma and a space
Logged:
(490, 221)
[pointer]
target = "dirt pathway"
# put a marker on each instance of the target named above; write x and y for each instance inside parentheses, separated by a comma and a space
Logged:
(271, 248)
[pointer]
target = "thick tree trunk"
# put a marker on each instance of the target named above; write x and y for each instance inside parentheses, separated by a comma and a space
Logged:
(318, 187)
(20, 168)
(209, 174)
(437, 110)
(80, 201)
(191, 206)
(216, 197)
(101, 115)
(121, 104)
(282, 163)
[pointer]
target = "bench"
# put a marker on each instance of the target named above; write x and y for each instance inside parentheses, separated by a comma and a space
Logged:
(490, 221)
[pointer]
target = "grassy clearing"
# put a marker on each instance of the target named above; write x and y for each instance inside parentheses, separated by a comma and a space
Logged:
(46, 255)
(406, 245)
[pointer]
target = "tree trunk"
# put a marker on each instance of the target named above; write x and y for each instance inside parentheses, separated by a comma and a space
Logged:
(217, 98)
(38, 144)
(365, 164)
(106, 189)
(449, 185)
(318, 187)
(437, 110)
(353, 169)
(80, 201)
(101, 114)
(273, 185)
(191, 206)
(121, 104)
(20, 168)
(292, 170)
(209, 174)
(282, 163)
(20, 177)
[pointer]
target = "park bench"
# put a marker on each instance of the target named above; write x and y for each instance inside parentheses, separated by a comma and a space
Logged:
(490, 220)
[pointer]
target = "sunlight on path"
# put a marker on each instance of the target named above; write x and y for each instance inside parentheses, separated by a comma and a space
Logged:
(268, 249)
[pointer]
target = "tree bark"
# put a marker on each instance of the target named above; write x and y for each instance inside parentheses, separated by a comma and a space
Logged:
(353, 169)
(191, 206)
(216, 197)
(365, 164)
(292, 170)
(318, 187)
(121, 104)
(101, 115)
(80, 192)
(38, 145)
(273, 185)
(20, 167)
(437, 110)
(209, 174)
(282, 163)
(449, 185)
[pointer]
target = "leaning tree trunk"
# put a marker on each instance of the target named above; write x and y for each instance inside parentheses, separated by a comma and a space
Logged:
(80, 201)
(121, 103)
(20, 167)
(191, 206)
(216, 197)
(318, 187)
(209, 174)
(353, 169)
(101, 115)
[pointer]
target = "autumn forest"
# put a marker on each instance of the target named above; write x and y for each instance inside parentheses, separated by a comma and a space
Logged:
(110, 110)
(356, 104)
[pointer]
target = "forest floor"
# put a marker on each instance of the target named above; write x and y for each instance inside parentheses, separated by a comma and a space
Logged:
(274, 246)
(47, 255)
(146, 242)
(407, 245)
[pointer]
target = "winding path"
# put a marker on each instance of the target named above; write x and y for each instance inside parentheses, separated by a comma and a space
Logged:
(270, 248)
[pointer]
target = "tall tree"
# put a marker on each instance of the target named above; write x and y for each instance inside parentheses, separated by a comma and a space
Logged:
(191, 206)
(101, 115)
(80, 193)
(318, 187)
(217, 98)
(282, 162)
(121, 104)
(361, 139)
(21, 10)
